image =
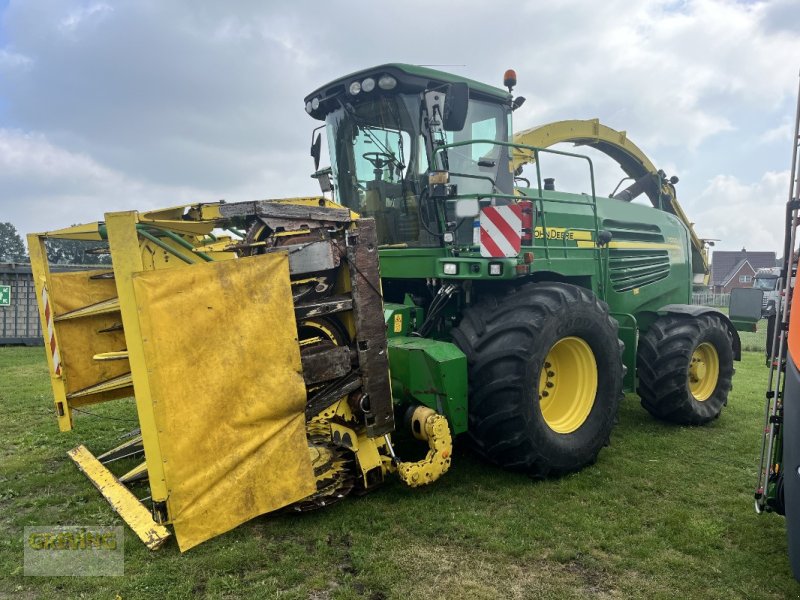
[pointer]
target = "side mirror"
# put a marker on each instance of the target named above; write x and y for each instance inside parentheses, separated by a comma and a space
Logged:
(745, 307)
(316, 149)
(456, 103)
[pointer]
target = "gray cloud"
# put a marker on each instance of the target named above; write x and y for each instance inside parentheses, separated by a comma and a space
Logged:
(134, 104)
(781, 16)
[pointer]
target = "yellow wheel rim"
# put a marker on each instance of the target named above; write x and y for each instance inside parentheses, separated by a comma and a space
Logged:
(567, 384)
(703, 371)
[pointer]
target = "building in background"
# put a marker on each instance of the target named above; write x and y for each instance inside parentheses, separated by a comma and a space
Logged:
(19, 312)
(736, 269)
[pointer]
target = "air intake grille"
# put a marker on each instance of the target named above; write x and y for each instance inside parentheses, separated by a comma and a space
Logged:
(633, 268)
(633, 232)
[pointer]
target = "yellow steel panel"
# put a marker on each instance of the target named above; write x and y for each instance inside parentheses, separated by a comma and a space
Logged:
(124, 448)
(124, 243)
(88, 231)
(115, 383)
(78, 338)
(544, 136)
(154, 257)
(173, 219)
(104, 307)
(368, 456)
(223, 362)
(135, 473)
(41, 279)
(118, 355)
(133, 512)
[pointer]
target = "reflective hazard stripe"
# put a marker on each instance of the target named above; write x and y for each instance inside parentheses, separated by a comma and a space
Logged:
(51, 334)
(501, 231)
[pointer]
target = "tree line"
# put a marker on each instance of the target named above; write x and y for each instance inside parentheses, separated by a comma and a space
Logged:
(60, 252)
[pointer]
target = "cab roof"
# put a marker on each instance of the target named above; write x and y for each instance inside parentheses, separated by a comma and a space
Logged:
(410, 79)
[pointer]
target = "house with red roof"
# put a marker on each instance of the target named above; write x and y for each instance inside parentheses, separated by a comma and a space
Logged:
(736, 269)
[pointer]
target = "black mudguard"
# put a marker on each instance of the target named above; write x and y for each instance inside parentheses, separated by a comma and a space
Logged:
(694, 310)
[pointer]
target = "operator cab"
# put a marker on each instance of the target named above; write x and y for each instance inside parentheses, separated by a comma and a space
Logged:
(766, 282)
(391, 129)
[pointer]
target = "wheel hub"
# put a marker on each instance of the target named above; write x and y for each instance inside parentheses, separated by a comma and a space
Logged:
(567, 384)
(703, 371)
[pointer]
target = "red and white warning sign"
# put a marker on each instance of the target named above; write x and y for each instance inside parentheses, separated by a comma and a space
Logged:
(51, 334)
(501, 231)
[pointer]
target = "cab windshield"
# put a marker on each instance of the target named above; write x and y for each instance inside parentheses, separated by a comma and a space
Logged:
(765, 283)
(379, 162)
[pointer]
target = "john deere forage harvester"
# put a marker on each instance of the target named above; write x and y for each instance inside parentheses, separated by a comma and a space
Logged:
(272, 346)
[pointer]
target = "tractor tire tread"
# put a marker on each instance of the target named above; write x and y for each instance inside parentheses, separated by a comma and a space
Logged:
(663, 359)
(499, 334)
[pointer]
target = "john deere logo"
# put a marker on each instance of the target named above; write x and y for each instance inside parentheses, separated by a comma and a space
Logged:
(5, 295)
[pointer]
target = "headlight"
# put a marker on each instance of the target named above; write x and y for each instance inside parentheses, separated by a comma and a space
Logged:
(315, 104)
(308, 107)
(368, 84)
(387, 82)
(451, 268)
(495, 269)
(355, 88)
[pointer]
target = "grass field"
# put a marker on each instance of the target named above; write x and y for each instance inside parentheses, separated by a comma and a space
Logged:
(666, 512)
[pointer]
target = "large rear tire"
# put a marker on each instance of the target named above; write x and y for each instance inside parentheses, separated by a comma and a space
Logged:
(685, 368)
(545, 377)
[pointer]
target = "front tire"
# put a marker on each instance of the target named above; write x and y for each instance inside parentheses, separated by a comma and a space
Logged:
(685, 368)
(545, 377)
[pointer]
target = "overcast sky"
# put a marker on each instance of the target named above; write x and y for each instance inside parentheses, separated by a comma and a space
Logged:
(151, 103)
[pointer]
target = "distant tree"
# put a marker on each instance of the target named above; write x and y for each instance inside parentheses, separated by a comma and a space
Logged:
(76, 252)
(12, 249)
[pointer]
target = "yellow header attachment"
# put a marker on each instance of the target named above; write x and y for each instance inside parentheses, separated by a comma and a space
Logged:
(252, 338)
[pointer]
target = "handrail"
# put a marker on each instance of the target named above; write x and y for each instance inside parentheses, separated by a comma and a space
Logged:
(540, 213)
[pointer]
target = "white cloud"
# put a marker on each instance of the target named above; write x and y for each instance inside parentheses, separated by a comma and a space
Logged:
(29, 155)
(151, 101)
(13, 60)
(47, 187)
(779, 133)
(741, 214)
(672, 78)
(82, 16)
(44, 186)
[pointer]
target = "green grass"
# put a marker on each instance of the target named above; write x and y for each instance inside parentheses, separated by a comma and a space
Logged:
(666, 512)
